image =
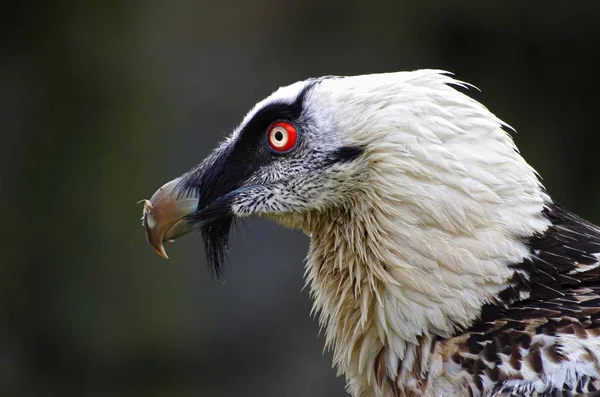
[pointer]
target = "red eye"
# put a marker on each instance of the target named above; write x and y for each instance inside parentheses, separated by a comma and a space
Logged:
(281, 136)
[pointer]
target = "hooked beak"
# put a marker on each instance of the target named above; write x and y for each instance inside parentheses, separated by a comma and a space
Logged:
(164, 215)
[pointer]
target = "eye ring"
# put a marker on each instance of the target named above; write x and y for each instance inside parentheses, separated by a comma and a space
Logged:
(282, 136)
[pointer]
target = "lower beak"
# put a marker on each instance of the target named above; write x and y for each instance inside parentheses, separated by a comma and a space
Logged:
(164, 215)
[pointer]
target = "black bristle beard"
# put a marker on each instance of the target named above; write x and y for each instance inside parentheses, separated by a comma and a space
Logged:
(214, 223)
(216, 243)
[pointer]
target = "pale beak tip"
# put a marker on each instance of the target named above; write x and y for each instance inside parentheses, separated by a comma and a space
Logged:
(160, 250)
(164, 214)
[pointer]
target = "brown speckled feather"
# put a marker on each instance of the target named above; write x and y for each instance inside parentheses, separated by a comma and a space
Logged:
(541, 337)
(529, 342)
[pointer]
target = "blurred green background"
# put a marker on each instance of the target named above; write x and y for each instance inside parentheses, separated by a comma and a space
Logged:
(102, 102)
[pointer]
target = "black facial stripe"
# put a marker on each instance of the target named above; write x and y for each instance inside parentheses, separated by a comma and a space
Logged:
(345, 154)
(215, 211)
(242, 158)
(229, 169)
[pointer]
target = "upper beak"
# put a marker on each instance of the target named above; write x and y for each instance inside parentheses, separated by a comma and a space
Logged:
(164, 215)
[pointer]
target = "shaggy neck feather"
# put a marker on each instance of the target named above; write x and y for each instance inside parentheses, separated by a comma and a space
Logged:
(376, 284)
(423, 233)
(407, 260)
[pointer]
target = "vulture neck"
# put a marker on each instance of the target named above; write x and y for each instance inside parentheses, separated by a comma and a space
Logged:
(424, 231)
(389, 273)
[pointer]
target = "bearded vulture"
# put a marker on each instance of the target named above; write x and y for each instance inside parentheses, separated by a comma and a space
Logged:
(438, 264)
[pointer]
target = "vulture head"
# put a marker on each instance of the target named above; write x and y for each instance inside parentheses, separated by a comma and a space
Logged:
(292, 156)
(414, 196)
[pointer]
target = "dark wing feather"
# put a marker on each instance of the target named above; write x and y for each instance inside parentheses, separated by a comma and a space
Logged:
(565, 255)
(544, 332)
(532, 341)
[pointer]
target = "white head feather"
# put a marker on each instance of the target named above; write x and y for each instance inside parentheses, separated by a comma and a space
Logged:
(437, 209)
(414, 195)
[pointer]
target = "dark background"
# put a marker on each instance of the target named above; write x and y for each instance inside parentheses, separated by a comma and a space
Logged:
(102, 102)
